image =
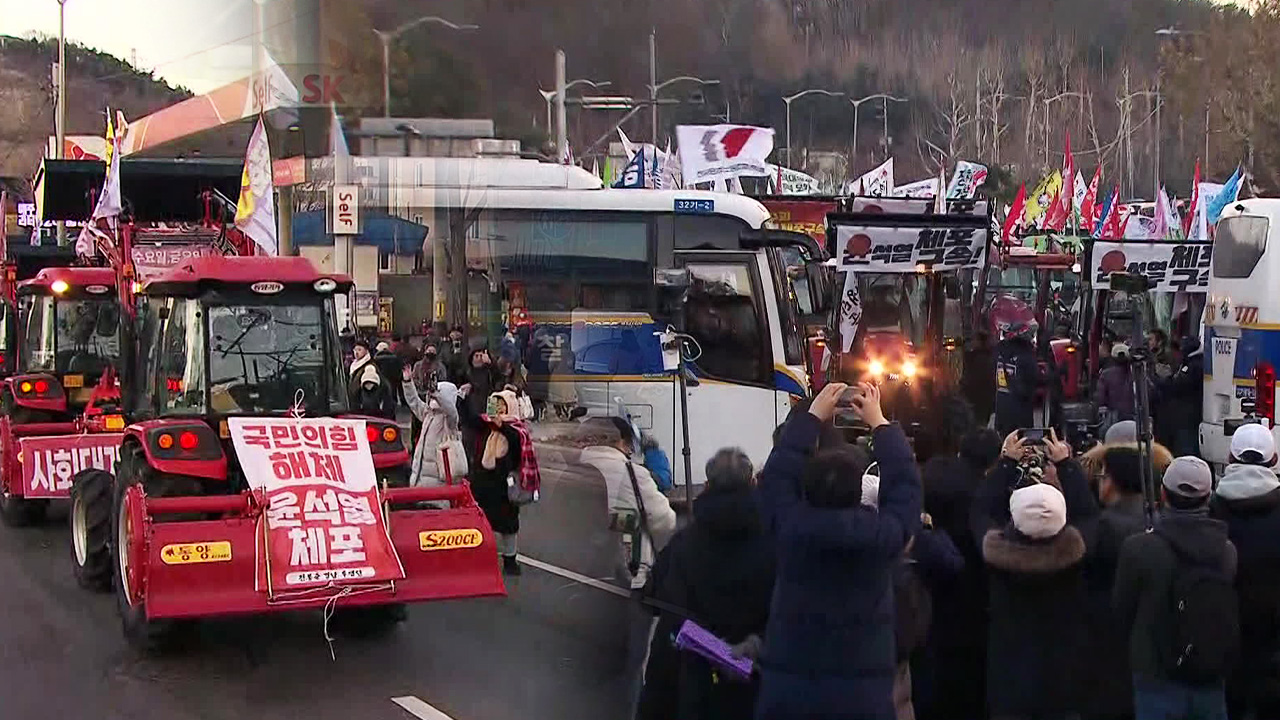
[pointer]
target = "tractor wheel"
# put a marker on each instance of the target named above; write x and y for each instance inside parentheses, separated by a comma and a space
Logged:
(90, 518)
(20, 512)
(371, 621)
(142, 633)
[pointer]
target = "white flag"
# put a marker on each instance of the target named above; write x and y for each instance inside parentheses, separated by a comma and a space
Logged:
(109, 204)
(1079, 188)
(878, 182)
(968, 177)
(927, 188)
(628, 150)
(256, 210)
(850, 310)
(940, 200)
(786, 181)
(717, 152)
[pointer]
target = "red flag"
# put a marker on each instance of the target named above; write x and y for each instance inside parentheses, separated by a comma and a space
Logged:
(1088, 207)
(1056, 218)
(1068, 182)
(1195, 200)
(1015, 213)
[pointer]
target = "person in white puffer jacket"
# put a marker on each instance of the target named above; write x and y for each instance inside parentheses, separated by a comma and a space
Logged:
(438, 413)
(610, 454)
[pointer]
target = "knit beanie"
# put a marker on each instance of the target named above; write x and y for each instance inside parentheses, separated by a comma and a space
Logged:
(1039, 511)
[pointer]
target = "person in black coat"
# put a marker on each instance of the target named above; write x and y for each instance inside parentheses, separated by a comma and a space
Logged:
(473, 398)
(1182, 398)
(1033, 544)
(829, 646)
(1247, 499)
(719, 572)
(951, 679)
(1107, 671)
(978, 378)
(1017, 378)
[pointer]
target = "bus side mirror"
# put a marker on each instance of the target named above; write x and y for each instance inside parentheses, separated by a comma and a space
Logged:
(675, 278)
(820, 286)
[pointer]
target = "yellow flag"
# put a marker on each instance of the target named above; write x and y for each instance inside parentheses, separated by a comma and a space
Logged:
(111, 137)
(1039, 200)
(255, 211)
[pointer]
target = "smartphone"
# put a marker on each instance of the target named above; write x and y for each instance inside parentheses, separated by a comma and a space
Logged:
(848, 396)
(1033, 436)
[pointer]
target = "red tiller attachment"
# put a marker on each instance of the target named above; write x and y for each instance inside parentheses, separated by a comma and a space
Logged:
(212, 564)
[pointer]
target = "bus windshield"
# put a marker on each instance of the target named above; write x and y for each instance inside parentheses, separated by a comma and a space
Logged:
(271, 357)
(74, 336)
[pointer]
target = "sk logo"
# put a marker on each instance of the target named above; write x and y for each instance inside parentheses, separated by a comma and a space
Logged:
(732, 141)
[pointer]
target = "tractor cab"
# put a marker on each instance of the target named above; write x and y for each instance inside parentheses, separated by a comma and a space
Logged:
(224, 336)
(69, 337)
(234, 336)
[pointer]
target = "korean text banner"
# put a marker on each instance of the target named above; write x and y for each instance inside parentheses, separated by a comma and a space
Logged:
(49, 463)
(908, 249)
(324, 525)
(720, 152)
(1168, 266)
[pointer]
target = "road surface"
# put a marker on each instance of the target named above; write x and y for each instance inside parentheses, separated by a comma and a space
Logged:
(555, 648)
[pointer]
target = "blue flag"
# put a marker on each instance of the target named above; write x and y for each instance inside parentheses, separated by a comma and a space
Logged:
(633, 174)
(1229, 194)
(1102, 217)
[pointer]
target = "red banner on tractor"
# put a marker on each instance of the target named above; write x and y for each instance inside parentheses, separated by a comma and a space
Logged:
(323, 526)
(49, 463)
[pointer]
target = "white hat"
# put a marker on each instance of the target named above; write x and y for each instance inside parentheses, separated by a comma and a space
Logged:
(370, 375)
(1253, 438)
(1189, 476)
(1120, 350)
(1125, 431)
(1039, 511)
(382, 346)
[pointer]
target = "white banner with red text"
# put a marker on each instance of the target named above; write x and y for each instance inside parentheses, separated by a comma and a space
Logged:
(323, 526)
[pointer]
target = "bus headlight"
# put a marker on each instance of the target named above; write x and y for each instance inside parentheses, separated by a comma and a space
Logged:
(909, 369)
(876, 367)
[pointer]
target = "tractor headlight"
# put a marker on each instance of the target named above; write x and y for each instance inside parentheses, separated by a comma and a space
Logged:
(59, 286)
(909, 368)
(876, 367)
(325, 285)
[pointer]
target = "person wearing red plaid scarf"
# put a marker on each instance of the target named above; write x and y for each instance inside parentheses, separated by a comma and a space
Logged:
(506, 459)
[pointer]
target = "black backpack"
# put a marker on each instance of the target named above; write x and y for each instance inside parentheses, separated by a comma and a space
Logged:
(913, 609)
(1203, 641)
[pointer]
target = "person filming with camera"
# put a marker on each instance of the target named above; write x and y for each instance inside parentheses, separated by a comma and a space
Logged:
(829, 644)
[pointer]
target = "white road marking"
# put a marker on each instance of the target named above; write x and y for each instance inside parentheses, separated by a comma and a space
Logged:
(419, 709)
(576, 577)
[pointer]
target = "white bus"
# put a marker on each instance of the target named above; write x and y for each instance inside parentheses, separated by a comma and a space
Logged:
(1242, 323)
(574, 270)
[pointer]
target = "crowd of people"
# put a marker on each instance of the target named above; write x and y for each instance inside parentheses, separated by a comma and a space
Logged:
(469, 419)
(1007, 577)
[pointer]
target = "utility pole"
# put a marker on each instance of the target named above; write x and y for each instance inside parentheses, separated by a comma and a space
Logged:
(562, 133)
(61, 129)
(653, 85)
(1159, 104)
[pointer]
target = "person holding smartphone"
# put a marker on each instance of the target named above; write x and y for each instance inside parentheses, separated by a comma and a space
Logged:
(829, 649)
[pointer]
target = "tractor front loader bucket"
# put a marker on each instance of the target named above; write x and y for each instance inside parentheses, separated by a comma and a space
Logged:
(202, 568)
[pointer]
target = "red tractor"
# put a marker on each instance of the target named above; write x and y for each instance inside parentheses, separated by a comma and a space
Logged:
(61, 405)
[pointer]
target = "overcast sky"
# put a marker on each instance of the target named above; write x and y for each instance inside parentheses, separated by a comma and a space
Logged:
(200, 44)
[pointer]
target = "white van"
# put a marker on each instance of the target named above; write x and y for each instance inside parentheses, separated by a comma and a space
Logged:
(1242, 323)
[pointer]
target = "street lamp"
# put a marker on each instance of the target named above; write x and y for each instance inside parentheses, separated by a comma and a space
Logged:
(386, 36)
(550, 95)
(857, 104)
(788, 99)
(655, 89)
